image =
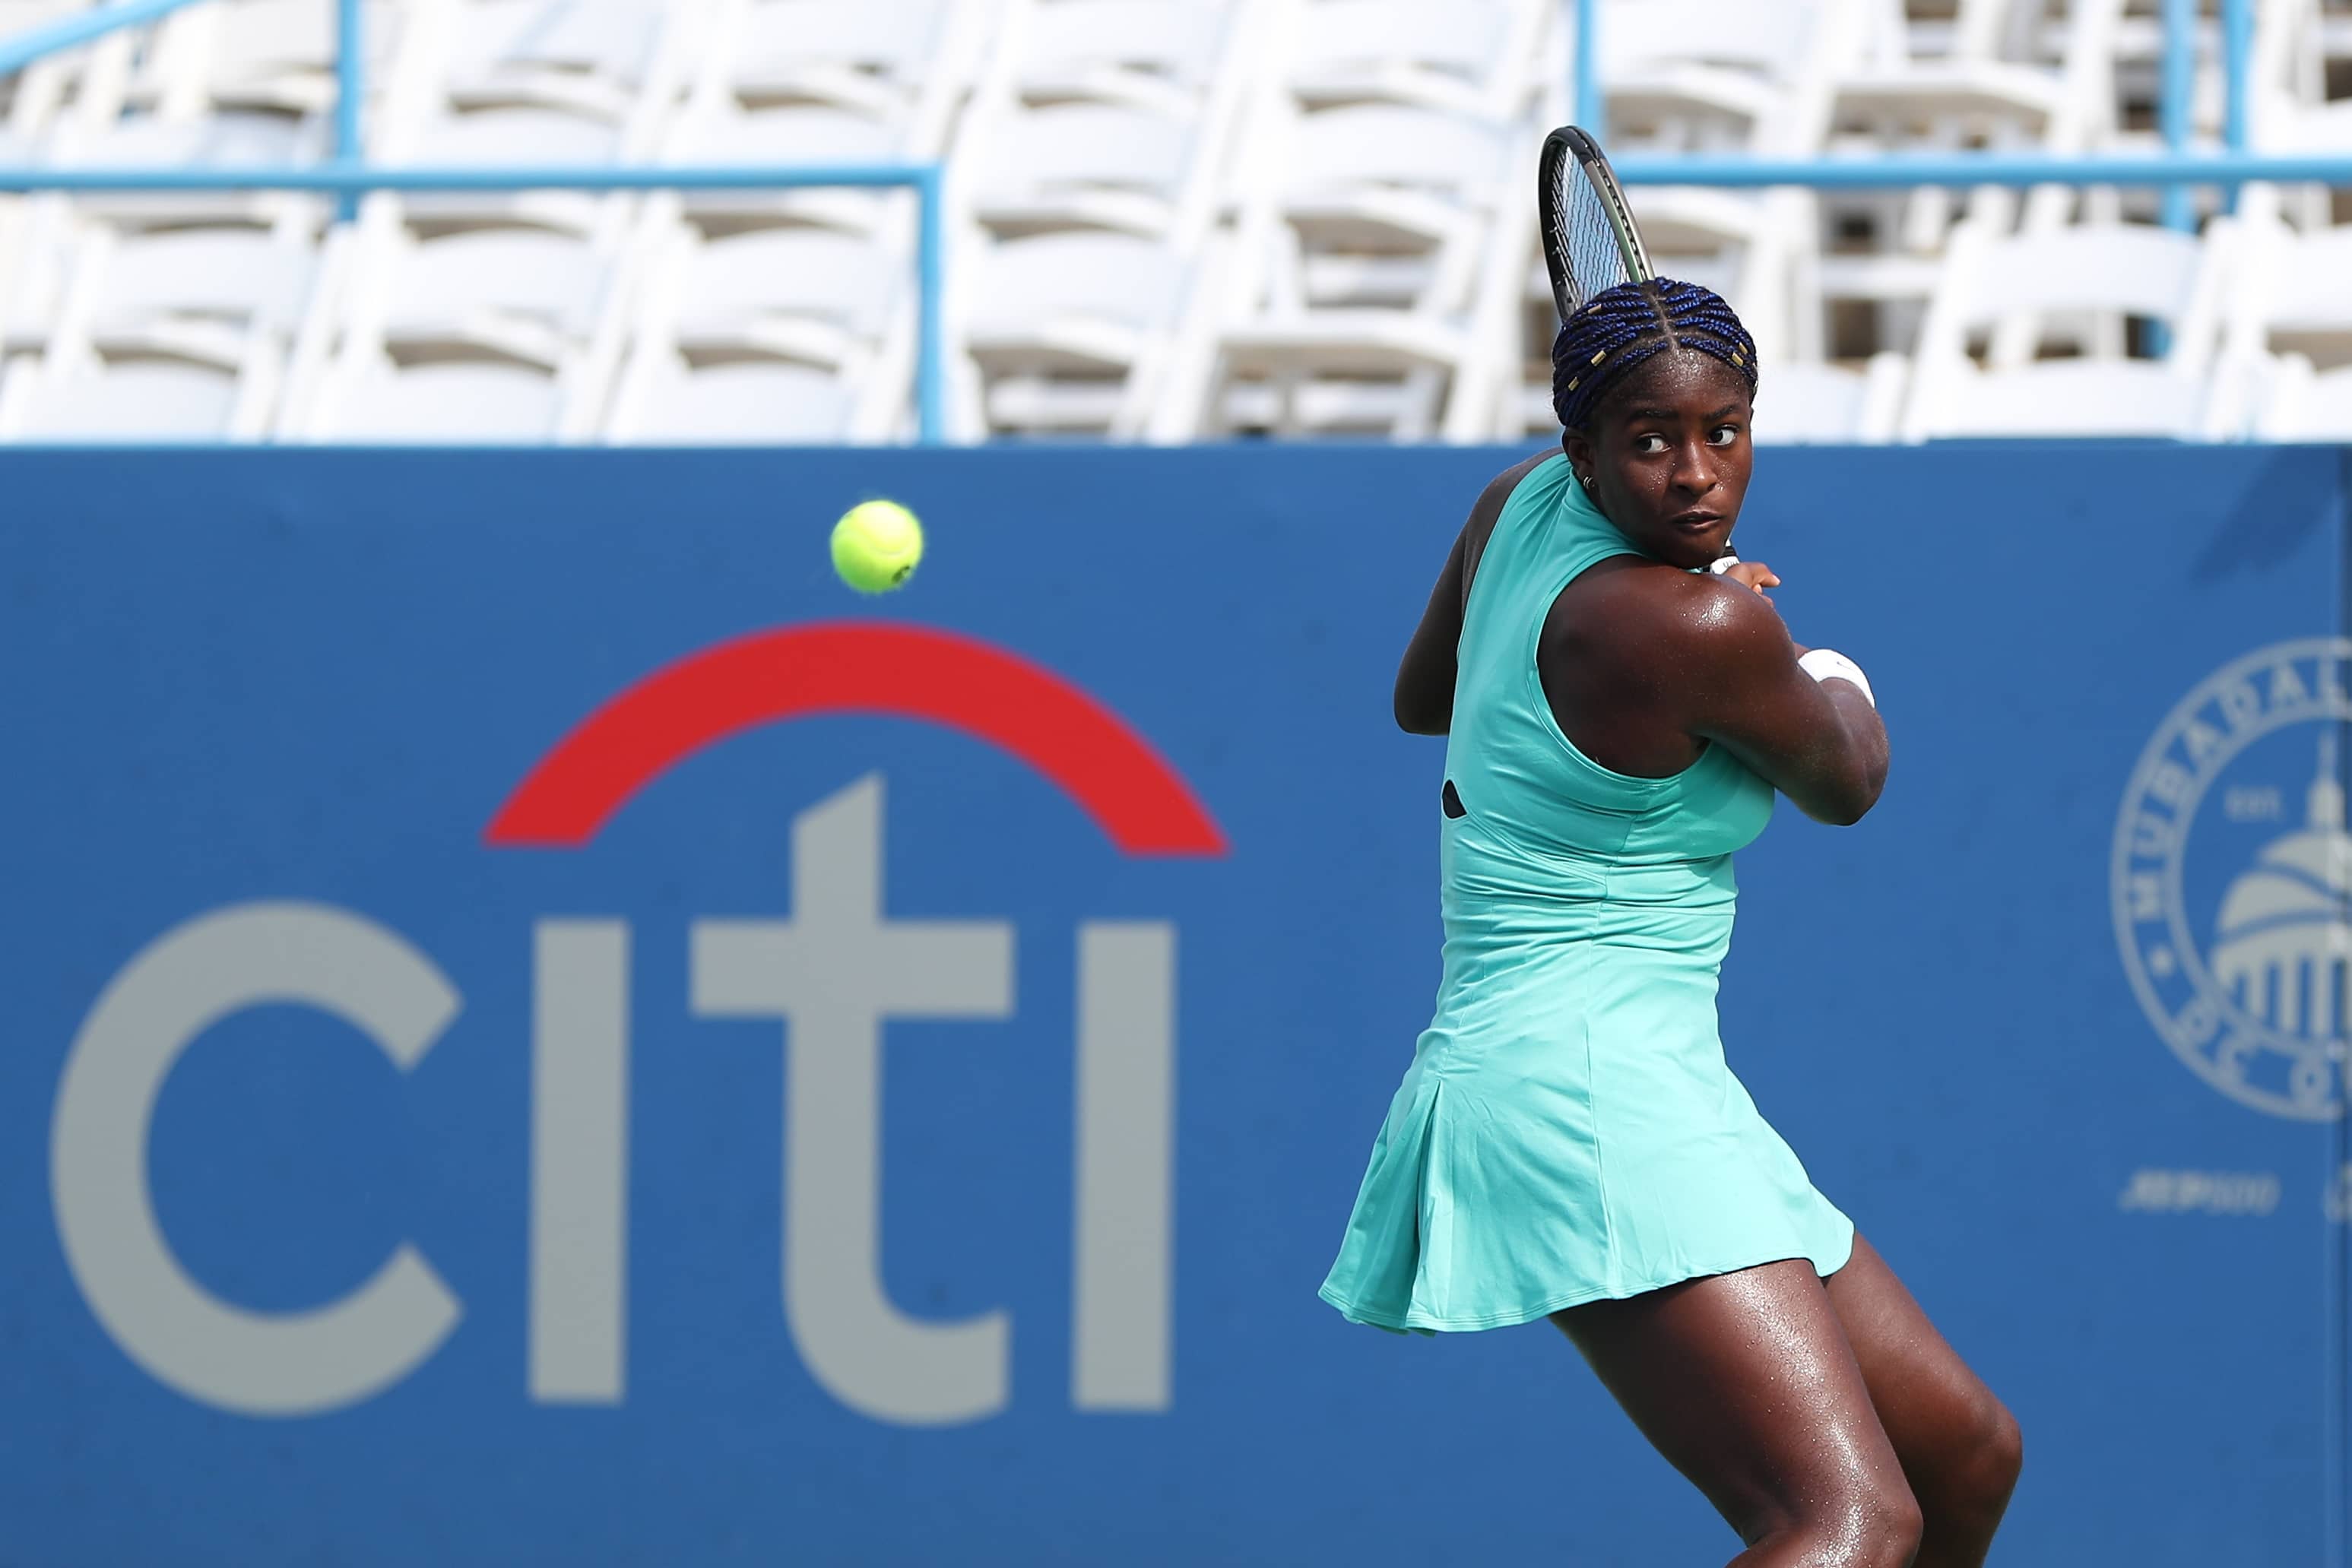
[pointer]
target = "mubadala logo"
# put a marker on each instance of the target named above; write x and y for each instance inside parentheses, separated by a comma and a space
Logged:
(2232, 879)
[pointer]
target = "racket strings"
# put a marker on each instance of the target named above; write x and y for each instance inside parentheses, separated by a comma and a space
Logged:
(1586, 238)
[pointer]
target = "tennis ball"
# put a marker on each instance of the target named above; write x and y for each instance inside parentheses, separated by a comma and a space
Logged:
(877, 545)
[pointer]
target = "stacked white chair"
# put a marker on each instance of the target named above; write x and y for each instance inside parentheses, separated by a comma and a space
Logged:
(1166, 219)
(2302, 403)
(788, 83)
(1085, 193)
(1801, 402)
(1371, 303)
(1071, 333)
(1991, 75)
(191, 328)
(2287, 334)
(1470, 59)
(1751, 77)
(797, 305)
(1385, 223)
(490, 333)
(765, 317)
(523, 83)
(2072, 288)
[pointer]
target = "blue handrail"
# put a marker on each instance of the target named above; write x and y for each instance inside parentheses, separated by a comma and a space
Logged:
(351, 91)
(1592, 102)
(2237, 61)
(2176, 107)
(81, 27)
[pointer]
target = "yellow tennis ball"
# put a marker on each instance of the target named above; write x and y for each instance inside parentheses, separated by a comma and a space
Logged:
(877, 545)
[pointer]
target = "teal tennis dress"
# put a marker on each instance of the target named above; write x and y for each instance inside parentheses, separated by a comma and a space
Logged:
(1568, 1130)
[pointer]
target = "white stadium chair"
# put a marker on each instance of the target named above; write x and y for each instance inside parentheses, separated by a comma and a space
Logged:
(1070, 332)
(1985, 77)
(455, 405)
(740, 403)
(227, 139)
(1154, 54)
(719, 130)
(1723, 75)
(906, 63)
(539, 308)
(525, 135)
(1082, 165)
(2288, 299)
(807, 295)
(201, 295)
(1337, 188)
(175, 316)
(1801, 403)
(529, 135)
(1380, 202)
(593, 55)
(866, 54)
(1103, 115)
(136, 401)
(1467, 57)
(811, 304)
(529, 296)
(2303, 404)
(2077, 286)
(269, 55)
(1384, 175)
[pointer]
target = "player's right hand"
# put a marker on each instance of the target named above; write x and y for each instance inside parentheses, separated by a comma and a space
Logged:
(1755, 574)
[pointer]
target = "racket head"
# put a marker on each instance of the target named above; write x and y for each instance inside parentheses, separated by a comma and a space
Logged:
(1589, 239)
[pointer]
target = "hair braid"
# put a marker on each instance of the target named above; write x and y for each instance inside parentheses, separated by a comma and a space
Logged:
(1620, 328)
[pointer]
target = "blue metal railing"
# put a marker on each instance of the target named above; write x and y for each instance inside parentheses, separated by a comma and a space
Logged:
(348, 176)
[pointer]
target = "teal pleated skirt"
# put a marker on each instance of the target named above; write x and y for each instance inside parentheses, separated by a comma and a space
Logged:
(1595, 1146)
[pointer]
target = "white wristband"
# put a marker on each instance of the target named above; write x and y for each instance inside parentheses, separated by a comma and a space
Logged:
(1829, 664)
(1724, 563)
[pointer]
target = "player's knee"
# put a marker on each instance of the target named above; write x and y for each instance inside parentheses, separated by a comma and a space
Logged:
(1887, 1526)
(1987, 1466)
(1875, 1525)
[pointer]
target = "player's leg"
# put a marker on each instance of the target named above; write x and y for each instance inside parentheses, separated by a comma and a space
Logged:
(1745, 1383)
(1959, 1447)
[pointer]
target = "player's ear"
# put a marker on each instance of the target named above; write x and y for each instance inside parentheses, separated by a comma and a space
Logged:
(1578, 447)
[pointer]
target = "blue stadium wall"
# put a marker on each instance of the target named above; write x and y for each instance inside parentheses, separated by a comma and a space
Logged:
(436, 883)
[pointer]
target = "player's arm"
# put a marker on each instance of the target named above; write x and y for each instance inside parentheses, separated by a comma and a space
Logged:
(1819, 742)
(1424, 683)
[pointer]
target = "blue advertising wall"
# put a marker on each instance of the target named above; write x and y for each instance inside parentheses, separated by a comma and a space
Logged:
(2060, 1024)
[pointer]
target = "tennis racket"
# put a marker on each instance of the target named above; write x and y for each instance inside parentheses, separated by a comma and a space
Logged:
(1589, 238)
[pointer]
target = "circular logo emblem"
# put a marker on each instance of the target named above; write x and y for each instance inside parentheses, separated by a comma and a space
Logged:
(2232, 879)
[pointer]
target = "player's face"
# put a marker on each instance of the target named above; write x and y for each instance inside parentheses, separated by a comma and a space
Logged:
(1669, 456)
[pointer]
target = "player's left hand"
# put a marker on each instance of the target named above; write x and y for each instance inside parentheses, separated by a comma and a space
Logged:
(1755, 574)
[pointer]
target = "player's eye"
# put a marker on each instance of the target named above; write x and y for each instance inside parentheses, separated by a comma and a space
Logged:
(1649, 445)
(1724, 434)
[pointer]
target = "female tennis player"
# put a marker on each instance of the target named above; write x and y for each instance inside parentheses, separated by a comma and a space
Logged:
(1569, 1141)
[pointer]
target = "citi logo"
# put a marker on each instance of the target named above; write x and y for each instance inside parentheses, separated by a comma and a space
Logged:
(829, 975)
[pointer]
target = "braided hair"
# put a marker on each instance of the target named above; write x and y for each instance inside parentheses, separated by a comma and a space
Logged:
(1620, 328)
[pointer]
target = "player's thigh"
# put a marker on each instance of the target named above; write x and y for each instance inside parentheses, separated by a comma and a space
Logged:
(1744, 1383)
(1949, 1430)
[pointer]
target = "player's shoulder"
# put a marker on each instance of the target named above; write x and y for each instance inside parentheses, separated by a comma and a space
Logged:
(1502, 487)
(1489, 511)
(1647, 610)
